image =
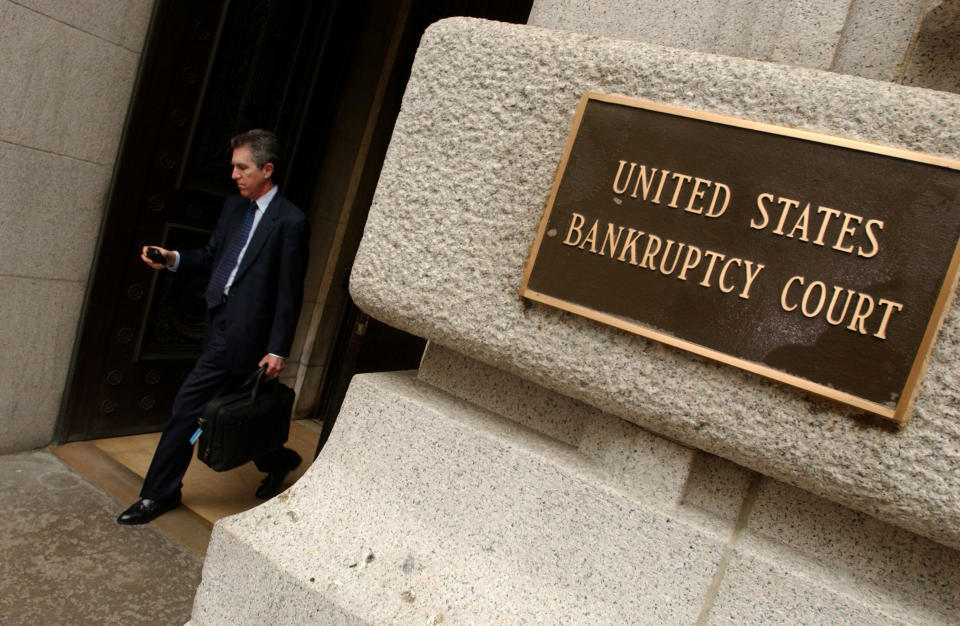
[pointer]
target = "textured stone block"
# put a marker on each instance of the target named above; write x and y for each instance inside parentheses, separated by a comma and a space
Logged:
(514, 398)
(913, 42)
(717, 486)
(38, 322)
(761, 591)
(471, 162)
(424, 509)
(647, 466)
(637, 461)
(934, 62)
(797, 33)
(34, 241)
(61, 90)
(877, 38)
(800, 559)
(860, 552)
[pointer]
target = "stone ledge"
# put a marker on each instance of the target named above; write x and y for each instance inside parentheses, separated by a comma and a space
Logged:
(423, 507)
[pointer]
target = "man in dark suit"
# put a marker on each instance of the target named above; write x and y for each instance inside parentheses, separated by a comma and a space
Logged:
(258, 258)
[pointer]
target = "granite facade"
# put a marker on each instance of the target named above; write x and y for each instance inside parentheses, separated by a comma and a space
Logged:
(471, 163)
(67, 71)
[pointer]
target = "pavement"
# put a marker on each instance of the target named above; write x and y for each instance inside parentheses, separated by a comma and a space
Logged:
(66, 560)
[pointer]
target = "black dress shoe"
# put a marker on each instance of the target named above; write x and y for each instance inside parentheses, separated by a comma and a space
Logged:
(143, 511)
(274, 480)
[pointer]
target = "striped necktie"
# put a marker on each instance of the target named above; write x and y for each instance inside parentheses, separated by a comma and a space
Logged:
(218, 281)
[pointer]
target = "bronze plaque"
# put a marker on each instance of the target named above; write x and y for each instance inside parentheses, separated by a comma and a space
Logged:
(818, 261)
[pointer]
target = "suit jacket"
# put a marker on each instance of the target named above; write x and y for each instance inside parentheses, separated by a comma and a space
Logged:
(267, 292)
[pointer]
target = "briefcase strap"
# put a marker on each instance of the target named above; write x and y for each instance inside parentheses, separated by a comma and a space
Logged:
(255, 381)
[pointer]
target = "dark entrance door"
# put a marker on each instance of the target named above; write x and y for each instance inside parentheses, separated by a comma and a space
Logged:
(210, 69)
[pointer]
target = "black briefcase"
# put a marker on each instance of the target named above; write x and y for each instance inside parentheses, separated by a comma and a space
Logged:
(247, 424)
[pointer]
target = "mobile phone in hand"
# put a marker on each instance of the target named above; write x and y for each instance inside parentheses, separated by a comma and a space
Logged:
(156, 256)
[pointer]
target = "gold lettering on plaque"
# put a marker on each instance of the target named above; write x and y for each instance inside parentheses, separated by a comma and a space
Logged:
(643, 184)
(812, 301)
(576, 222)
(631, 245)
(836, 296)
(620, 243)
(799, 224)
(845, 230)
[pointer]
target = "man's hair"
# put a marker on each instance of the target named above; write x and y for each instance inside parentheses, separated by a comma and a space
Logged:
(263, 146)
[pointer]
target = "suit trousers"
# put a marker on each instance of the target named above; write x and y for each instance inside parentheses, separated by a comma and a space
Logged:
(209, 379)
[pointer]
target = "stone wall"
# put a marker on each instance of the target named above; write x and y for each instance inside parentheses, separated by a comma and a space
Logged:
(912, 42)
(67, 71)
(787, 556)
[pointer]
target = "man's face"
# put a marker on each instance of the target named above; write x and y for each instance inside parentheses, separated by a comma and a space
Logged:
(252, 181)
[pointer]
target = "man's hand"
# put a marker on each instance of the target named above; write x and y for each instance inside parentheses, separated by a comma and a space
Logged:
(274, 365)
(168, 257)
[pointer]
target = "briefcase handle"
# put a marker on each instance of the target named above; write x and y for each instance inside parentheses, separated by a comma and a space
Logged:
(254, 381)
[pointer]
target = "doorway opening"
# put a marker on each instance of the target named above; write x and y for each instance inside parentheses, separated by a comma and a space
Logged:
(328, 77)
